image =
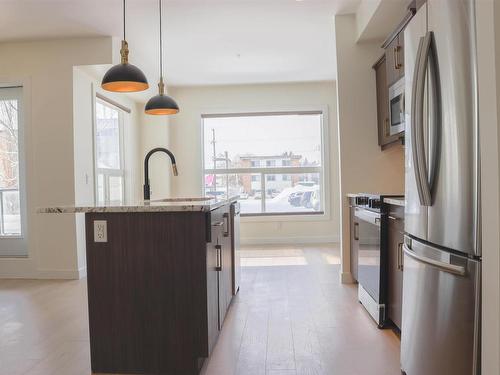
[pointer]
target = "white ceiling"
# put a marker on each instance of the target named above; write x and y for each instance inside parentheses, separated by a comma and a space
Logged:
(205, 42)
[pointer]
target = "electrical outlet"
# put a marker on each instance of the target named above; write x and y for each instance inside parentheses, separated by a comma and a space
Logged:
(100, 231)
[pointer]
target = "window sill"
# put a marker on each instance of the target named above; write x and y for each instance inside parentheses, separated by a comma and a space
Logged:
(266, 218)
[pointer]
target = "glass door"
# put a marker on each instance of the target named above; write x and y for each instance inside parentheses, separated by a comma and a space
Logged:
(12, 174)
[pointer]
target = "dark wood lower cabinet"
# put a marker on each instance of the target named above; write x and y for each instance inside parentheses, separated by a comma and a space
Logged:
(221, 246)
(395, 264)
(213, 290)
(226, 269)
(158, 290)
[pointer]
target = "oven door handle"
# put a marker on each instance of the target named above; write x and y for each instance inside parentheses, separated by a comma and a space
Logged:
(368, 216)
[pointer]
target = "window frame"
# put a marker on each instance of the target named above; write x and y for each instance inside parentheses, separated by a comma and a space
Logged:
(325, 213)
(109, 172)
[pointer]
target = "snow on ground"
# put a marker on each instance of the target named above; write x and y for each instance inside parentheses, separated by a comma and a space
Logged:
(279, 203)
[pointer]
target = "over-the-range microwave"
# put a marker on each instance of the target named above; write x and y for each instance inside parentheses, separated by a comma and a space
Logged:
(397, 107)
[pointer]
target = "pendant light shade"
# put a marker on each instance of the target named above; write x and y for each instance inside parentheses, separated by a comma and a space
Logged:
(124, 77)
(161, 104)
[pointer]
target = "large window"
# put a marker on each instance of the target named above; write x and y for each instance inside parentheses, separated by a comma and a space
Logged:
(273, 161)
(109, 154)
(10, 182)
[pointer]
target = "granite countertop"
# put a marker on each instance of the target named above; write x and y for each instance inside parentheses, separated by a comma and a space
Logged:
(201, 204)
(395, 201)
(352, 195)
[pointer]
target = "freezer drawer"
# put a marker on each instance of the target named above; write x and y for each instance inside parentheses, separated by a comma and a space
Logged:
(440, 328)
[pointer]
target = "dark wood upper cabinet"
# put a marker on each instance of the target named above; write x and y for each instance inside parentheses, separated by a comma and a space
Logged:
(390, 69)
(394, 47)
(384, 137)
(394, 54)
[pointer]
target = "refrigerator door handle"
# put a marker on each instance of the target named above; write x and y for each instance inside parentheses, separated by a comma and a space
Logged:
(418, 144)
(447, 267)
(413, 122)
(435, 122)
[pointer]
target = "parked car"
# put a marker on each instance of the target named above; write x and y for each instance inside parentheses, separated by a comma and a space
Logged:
(271, 193)
(316, 200)
(295, 198)
(216, 194)
(307, 183)
(305, 200)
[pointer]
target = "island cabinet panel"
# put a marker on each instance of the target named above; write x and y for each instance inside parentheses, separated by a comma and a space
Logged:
(147, 292)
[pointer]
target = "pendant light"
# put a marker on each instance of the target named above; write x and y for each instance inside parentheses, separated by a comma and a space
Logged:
(124, 77)
(161, 104)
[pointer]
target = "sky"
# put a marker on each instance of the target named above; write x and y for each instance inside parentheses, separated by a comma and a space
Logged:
(264, 135)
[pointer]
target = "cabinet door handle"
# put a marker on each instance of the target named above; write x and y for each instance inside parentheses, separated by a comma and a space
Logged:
(400, 64)
(225, 218)
(356, 231)
(400, 256)
(395, 54)
(397, 64)
(219, 258)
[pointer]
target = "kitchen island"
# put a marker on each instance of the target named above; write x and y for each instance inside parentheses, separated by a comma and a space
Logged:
(160, 281)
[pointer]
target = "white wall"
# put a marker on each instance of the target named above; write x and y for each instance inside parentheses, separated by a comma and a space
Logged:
(377, 19)
(186, 141)
(363, 166)
(85, 86)
(155, 132)
(46, 70)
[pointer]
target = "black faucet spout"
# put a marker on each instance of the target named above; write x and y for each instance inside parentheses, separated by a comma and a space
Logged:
(147, 189)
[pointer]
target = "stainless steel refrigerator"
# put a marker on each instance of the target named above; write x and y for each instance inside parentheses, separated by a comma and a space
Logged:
(442, 248)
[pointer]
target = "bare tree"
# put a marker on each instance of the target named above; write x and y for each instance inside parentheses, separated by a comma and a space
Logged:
(9, 144)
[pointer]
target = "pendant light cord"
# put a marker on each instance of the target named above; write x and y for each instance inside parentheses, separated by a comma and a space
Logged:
(161, 45)
(124, 20)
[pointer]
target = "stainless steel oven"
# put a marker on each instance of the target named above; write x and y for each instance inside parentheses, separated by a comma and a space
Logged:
(397, 107)
(369, 262)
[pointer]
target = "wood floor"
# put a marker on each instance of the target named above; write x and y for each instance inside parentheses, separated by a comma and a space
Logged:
(291, 317)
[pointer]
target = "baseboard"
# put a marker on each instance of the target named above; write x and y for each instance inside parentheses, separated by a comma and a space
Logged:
(346, 278)
(288, 240)
(17, 268)
(59, 274)
(43, 274)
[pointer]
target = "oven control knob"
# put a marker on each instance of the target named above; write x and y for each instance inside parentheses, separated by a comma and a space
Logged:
(374, 203)
(361, 201)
